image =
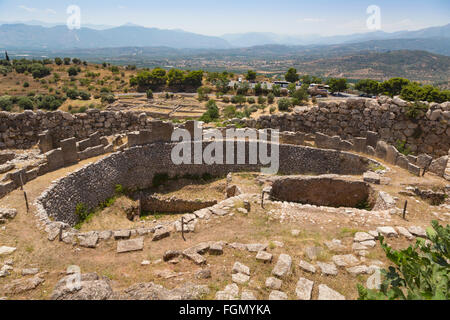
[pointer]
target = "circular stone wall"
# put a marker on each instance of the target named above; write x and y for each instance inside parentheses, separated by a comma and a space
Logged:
(135, 168)
(329, 191)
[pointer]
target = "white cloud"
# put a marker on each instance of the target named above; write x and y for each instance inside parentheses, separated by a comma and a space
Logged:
(121, 7)
(27, 8)
(51, 11)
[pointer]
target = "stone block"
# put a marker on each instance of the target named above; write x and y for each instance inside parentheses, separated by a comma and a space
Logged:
(133, 139)
(372, 138)
(381, 149)
(84, 144)
(360, 144)
(69, 150)
(424, 161)
(95, 139)
(402, 162)
(412, 159)
(161, 131)
(45, 142)
(18, 177)
(392, 154)
(415, 170)
(55, 159)
(130, 245)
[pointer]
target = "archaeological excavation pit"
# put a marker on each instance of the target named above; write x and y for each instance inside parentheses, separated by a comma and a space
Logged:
(327, 191)
(137, 167)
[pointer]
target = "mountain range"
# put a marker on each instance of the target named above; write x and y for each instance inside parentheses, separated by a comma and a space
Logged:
(36, 35)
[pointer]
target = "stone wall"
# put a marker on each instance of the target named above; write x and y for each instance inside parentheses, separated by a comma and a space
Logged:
(158, 204)
(135, 168)
(329, 191)
(429, 133)
(22, 130)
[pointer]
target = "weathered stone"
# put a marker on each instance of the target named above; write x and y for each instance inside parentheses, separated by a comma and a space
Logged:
(415, 170)
(345, 260)
(216, 249)
(233, 191)
(278, 295)
(256, 247)
(69, 150)
(369, 244)
(30, 271)
(203, 274)
(327, 269)
(372, 139)
(194, 257)
(392, 154)
(161, 234)
(326, 293)
(4, 250)
(55, 159)
(372, 177)
(23, 285)
(248, 296)
(384, 201)
(424, 161)
(89, 241)
(387, 232)
(335, 245)
(360, 144)
(358, 270)
(273, 283)
(438, 166)
(305, 266)
(362, 236)
(240, 278)
(402, 162)
(264, 256)
(231, 292)
(130, 245)
(404, 232)
(304, 289)
(122, 234)
(151, 291)
(418, 231)
(381, 149)
(283, 266)
(171, 254)
(240, 268)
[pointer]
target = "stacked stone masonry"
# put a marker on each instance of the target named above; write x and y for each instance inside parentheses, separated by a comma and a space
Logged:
(429, 133)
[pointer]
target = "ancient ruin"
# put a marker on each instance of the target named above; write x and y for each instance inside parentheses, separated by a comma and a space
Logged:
(102, 185)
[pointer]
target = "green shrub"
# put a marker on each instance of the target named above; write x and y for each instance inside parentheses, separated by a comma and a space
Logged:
(420, 273)
(402, 148)
(6, 103)
(25, 103)
(212, 112)
(413, 111)
(284, 104)
(84, 95)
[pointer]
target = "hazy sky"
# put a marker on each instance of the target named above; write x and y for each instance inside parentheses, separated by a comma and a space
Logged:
(237, 16)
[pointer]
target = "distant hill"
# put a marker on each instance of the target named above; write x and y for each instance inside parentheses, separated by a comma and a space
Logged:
(261, 38)
(415, 65)
(21, 36)
(40, 36)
